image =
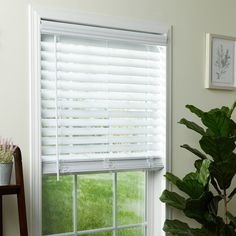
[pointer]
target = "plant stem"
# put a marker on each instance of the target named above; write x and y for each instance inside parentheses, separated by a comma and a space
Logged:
(225, 206)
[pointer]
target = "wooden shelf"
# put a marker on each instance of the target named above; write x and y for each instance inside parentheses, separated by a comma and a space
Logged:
(17, 189)
(9, 189)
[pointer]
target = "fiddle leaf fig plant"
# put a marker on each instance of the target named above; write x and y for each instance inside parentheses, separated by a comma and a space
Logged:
(204, 189)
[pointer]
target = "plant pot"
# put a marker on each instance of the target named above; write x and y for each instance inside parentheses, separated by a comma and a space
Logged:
(5, 173)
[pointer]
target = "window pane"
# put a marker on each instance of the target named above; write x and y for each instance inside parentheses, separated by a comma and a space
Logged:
(95, 201)
(131, 232)
(130, 198)
(57, 204)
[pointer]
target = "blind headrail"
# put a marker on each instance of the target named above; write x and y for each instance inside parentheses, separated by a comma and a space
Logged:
(61, 28)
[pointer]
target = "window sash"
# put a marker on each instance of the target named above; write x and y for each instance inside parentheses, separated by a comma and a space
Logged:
(115, 227)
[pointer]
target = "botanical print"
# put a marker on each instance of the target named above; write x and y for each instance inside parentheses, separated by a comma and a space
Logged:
(223, 61)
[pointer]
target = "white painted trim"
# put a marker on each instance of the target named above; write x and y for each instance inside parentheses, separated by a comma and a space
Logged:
(156, 182)
(150, 204)
(36, 13)
(35, 160)
(87, 18)
(169, 63)
(75, 204)
(101, 230)
(115, 203)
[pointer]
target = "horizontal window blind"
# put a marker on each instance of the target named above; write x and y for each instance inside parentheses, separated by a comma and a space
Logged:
(103, 99)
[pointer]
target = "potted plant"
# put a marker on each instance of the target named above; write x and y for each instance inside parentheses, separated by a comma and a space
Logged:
(6, 160)
(209, 185)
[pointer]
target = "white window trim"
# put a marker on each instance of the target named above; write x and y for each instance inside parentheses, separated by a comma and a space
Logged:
(156, 183)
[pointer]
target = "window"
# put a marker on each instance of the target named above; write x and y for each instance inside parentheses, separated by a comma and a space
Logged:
(103, 127)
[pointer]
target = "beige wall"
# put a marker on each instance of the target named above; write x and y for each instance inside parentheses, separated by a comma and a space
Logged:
(190, 20)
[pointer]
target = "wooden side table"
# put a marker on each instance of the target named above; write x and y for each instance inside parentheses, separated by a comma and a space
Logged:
(17, 189)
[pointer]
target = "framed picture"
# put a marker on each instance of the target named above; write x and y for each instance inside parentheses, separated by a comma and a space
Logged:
(220, 62)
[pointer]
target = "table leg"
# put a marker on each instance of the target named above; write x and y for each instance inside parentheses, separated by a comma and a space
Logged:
(1, 225)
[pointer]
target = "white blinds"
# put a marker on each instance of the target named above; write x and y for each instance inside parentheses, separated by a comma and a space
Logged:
(103, 97)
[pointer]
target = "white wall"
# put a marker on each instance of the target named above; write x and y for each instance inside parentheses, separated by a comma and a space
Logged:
(190, 20)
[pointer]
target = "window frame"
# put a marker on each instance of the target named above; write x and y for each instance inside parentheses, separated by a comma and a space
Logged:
(157, 212)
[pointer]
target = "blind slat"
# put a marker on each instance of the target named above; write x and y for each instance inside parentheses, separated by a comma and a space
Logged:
(99, 140)
(101, 51)
(99, 69)
(101, 156)
(65, 85)
(50, 94)
(97, 131)
(67, 149)
(99, 122)
(100, 60)
(64, 113)
(100, 78)
(101, 104)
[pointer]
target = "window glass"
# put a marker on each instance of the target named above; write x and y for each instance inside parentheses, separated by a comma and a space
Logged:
(95, 201)
(57, 205)
(102, 201)
(130, 198)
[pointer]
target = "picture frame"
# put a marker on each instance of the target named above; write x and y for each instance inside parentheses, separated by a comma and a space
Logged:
(220, 62)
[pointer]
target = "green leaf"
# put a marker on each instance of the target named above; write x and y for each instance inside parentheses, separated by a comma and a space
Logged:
(233, 130)
(172, 178)
(204, 232)
(177, 228)
(232, 109)
(232, 193)
(217, 122)
(191, 176)
(194, 151)
(195, 110)
(192, 187)
(223, 172)
(198, 164)
(173, 199)
(198, 208)
(204, 173)
(213, 205)
(189, 185)
(219, 148)
(227, 230)
(231, 217)
(193, 126)
(226, 110)
(209, 146)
